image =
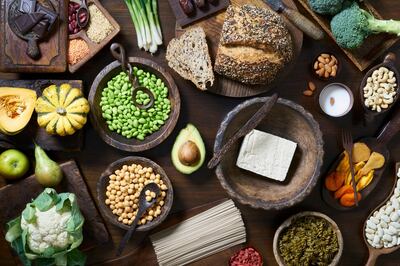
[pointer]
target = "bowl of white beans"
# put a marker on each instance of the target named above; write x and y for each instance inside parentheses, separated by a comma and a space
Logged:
(120, 185)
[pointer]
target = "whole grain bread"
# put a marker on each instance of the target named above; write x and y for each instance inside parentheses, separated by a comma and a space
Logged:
(255, 45)
(188, 55)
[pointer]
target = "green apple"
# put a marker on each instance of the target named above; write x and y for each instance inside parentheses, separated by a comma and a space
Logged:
(13, 164)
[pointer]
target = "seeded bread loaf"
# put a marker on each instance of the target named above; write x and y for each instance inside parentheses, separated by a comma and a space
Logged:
(188, 55)
(255, 45)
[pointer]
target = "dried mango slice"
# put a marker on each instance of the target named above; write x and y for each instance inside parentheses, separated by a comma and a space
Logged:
(365, 181)
(375, 161)
(343, 165)
(361, 152)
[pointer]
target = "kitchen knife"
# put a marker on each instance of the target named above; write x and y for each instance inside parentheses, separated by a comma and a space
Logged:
(300, 21)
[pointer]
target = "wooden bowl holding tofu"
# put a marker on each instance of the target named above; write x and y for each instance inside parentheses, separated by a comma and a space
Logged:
(276, 165)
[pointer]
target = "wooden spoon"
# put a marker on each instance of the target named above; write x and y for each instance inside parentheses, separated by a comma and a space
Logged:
(374, 253)
(144, 205)
(379, 145)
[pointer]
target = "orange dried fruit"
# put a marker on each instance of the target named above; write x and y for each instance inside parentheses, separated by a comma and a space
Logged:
(330, 182)
(347, 200)
(343, 190)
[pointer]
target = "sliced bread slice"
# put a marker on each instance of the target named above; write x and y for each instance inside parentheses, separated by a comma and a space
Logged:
(188, 55)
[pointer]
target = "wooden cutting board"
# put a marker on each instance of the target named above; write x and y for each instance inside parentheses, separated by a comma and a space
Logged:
(140, 250)
(13, 56)
(14, 197)
(213, 26)
(373, 47)
(32, 131)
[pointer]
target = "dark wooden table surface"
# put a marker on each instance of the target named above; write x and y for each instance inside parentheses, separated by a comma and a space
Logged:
(206, 111)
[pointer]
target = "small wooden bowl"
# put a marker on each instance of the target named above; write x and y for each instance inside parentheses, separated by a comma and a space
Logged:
(103, 182)
(389, 63)
(113, 138)
(290, 121)
(290, 220)
(323, 78)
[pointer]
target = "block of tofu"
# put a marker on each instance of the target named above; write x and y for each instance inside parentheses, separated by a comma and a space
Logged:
(266, 155)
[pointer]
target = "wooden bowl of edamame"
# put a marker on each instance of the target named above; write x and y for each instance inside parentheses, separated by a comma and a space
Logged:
(121, 123)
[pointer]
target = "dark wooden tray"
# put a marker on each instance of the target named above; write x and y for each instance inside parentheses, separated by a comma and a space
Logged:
(32, 131)
(53, 49)
(94, 230)
(213, 26)
(94, 47)
(372, 48)
(183, 20)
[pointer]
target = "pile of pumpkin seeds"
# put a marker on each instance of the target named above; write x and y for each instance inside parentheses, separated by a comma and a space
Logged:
(307, 241)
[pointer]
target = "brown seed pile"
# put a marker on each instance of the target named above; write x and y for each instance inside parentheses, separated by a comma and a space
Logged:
(326, 66)
(123, 191)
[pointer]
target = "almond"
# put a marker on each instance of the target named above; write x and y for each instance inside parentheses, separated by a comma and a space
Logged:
(308, 93)
(311, 86)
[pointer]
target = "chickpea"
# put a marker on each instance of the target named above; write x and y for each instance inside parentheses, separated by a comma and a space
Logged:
(161, 203)
(164, 187)
(143, 220)
(114, 211)
(125, 221)
(151, 212)
(123, 215)
(130, 215)
(147, 175)
(112, 207)
(147, 193)
(130, 222)
(163, 194)
(113, 192)
(120, 219)
(113, 177)
(119, 193)
(108, 193)
(107, 201)
(148, 198)
(118, 178)
(149, 218)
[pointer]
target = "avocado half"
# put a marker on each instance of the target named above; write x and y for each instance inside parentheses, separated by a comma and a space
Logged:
(188, 138)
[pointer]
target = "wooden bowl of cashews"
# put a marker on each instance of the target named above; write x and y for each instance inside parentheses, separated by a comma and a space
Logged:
(379, 90)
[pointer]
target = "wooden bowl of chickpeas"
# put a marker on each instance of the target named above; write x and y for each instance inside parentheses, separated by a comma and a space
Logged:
(119, 187)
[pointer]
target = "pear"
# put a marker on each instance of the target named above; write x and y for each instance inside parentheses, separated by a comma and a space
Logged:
(48, 173)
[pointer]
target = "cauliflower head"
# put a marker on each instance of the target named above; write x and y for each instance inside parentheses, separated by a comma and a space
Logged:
(49, 230)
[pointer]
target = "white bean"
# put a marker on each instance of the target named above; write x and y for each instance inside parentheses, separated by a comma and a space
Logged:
(387, 237)
(371, 225)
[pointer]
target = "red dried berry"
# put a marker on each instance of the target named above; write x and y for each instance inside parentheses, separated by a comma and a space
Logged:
(246, 257)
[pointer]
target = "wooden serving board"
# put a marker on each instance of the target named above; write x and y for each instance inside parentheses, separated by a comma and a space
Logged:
(32, 131)
(94, 230)
(53, 49)
(140, 249)
(213, 26)
(94, 47)
(199, 13)
(373, 47)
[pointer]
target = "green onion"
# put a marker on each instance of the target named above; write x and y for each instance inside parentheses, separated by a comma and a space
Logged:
(145, 18)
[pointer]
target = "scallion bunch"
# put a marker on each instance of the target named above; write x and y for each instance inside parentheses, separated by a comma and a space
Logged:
(145, 18)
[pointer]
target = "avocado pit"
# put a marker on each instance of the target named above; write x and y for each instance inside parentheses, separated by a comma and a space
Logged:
(189, 153)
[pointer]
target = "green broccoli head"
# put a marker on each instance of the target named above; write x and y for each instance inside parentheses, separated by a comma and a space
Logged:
(353, 25)
(326, 7)
(350, 27)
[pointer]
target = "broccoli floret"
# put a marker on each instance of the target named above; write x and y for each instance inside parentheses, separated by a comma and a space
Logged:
(353, 25)
(326, 7)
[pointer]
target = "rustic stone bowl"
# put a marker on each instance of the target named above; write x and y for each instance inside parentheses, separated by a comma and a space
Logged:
(113, 138)
(103, 182)
(287, 120)
(289, 221)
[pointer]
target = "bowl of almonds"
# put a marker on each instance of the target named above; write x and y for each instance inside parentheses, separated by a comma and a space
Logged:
(119, 188)
(325, 66)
